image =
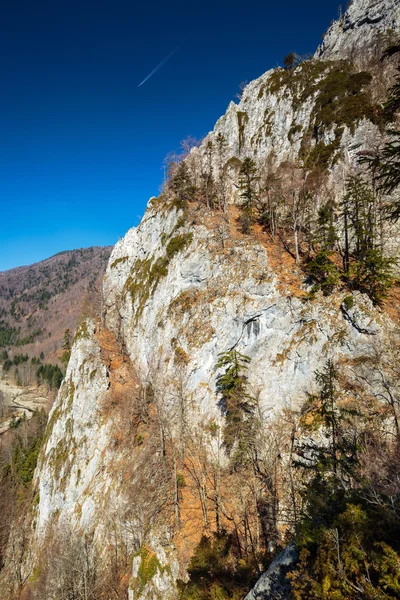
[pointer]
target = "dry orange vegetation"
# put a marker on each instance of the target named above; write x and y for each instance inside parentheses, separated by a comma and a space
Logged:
(391, 305)
(281, 262)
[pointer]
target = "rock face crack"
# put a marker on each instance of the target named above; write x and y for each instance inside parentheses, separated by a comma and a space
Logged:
(252, 325)
(368, 20)
(347, 317)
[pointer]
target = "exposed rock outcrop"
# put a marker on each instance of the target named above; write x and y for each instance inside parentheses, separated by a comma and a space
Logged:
(185, 286)
(273, 584)
(354, 35)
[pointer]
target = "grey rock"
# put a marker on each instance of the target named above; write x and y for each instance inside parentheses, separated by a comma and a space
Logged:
(273, 584)
(228, 305)
(353, 36)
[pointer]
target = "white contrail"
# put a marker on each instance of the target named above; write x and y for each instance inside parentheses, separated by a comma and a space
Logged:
(159, 66)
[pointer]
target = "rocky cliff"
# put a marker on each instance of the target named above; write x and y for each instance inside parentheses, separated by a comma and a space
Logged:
(185, 286)
(355, 34)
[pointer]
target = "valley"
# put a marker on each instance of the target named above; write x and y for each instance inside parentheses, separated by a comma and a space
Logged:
(20, 402)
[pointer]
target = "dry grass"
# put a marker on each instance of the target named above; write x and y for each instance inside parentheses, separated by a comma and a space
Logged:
(391, 306)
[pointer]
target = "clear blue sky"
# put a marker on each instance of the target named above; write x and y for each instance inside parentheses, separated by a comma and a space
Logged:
(81, 146)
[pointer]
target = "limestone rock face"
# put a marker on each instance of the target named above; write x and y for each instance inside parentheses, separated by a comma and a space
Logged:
(212, 300)
(275, 115)
(273, 584)
(71, 479)
(205, 299)
(181, 289)
(356, 32)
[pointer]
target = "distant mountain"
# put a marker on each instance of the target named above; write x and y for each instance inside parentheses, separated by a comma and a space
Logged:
(39, 302)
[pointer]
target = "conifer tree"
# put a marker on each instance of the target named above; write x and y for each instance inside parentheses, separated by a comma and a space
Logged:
(221, 145)
(248, 179)
(236, 402)
(290, 61)
(365, 264)
(321, 268)
(385, 165)
(208, 176)
(333, 453)
(326, 235)
(66, 345)
(348, 545)
(181, 184)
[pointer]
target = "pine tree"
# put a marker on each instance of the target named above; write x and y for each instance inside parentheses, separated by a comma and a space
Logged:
(236, 402)
(248, 179)
(385, 165)
(335, 452)
(373, 275)
(321, 268)
(365, 264)
(208, 176)
(66, 345)
(66, 342)
(181, 185)
(221, 145)
(290, 61)
(326, 236)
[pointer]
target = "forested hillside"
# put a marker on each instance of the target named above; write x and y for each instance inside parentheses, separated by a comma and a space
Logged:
(39, 302)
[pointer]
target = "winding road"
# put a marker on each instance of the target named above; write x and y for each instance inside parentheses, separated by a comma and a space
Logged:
(20, 400)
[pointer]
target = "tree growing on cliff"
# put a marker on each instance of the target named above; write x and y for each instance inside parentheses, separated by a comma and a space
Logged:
(385, 164)
(365, 263)
(181, 185)
(348, 536)
(221, 148)
(237, 403)
(290, 61)
(208, 181)
(333, 454)
(248, 183)
(66, 346)
(320, 267)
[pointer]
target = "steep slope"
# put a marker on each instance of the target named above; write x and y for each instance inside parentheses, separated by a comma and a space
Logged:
(170, 328)
(133, 447)
(39, 302)
(356, 33)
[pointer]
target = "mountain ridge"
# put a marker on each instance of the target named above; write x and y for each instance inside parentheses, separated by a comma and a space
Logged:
(32, 298)
(137, 448)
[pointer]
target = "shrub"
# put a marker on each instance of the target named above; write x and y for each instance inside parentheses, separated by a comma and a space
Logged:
(178, 244)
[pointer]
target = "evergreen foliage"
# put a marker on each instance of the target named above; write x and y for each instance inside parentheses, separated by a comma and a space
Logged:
(50, 374)
(290, 61)
(66, 346)
(385, 164)
(8, 335)
(182, 186)
(320, 267)
(248, 179)
(364, 261)
(323, 272)
(25, 458)
(349, 546)
(217, 571)
(333, 453)
(237, 404)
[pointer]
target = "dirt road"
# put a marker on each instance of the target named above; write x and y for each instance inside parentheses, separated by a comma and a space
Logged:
(20, 400)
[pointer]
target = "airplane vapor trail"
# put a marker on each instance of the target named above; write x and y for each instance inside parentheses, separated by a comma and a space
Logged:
(159, 66)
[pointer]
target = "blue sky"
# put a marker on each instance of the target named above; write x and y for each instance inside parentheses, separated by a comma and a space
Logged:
(81, 146)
